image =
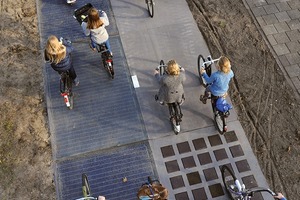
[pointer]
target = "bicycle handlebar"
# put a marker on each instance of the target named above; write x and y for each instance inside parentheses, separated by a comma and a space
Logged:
(87, 198)
(159, 66)
(210, 61)
(249, 192)
(260, 189)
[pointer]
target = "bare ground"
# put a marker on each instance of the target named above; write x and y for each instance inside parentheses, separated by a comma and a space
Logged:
(25, 150)
(266, 105)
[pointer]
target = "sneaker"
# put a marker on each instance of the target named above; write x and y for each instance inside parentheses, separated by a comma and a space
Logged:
(203, 99)
(94, 49)
(76, 82)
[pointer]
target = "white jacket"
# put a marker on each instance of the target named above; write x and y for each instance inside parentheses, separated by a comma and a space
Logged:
(100, 34)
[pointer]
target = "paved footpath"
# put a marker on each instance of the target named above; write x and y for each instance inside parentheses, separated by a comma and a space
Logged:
(280, 25)
(117, 130)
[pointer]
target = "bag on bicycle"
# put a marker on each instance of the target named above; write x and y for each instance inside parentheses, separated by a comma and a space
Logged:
(153, 191)
(222, 105)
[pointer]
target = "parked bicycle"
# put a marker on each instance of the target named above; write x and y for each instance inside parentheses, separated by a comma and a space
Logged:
(81, 15)
(150, 7)
(86, 191)
(236, 190)
(219, 105)
(174, 107)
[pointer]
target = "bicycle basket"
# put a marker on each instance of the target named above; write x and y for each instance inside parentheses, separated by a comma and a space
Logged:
(222, 105)
(82, 11)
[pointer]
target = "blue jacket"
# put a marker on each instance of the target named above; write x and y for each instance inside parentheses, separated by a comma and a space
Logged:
(219, 82)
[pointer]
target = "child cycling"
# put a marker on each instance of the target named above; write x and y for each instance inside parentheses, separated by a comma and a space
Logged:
(95, 28)
(59, 56)
(218, 82)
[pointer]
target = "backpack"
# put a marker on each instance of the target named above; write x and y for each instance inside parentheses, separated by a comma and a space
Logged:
(222, 105)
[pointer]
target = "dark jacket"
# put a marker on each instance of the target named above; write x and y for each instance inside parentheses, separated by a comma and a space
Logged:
(64, 64)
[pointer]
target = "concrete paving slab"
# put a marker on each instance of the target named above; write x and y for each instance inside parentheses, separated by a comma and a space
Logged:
(201, 153)
(175, 37)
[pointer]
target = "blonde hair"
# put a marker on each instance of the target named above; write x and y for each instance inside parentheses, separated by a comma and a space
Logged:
(94, 20)
(173, 68)
(224, 64)
(55, 50)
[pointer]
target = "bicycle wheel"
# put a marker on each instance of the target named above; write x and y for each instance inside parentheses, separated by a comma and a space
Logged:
(173, 118)
(201, 61)
(86, 191)
(178, 116)
(150, 6)
(111, 72)
(108, 64)
(220, 122)
(162, 67)
(229, 178)
(178, 112)
(68, 90)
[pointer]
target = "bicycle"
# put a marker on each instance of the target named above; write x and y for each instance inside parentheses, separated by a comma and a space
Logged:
(86, 191)
(174, 108)
(81, 15)
(66, 82)
(66, 89)
(236, 189)
(150, 7)
(220, 117)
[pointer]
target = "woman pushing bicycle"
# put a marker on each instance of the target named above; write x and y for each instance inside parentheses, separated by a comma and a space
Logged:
(171, 84)
(58, 53)
(218, 82)
(95, 28)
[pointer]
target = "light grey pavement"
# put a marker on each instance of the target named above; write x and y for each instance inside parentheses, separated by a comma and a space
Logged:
(279, 22)
(116, 130)
(173, 34)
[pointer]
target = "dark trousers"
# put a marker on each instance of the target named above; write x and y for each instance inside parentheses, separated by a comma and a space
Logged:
(72, 73)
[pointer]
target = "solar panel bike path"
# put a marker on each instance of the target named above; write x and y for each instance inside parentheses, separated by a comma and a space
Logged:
(106, 134)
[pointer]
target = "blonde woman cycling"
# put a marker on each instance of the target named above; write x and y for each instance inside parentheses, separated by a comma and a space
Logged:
(171, 84)
(95, 28)
(59, 56)
(219, 80)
